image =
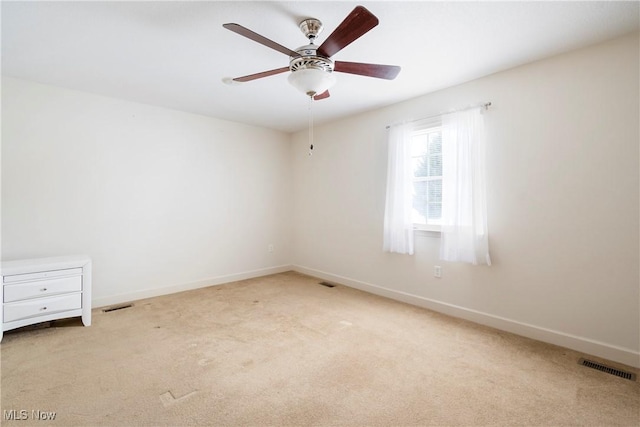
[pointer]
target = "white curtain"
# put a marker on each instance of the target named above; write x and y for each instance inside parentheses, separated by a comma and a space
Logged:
(464, 212)
(398, 226)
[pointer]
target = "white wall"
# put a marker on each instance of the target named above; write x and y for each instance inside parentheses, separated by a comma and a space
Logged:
(562, 198)
(161, 200)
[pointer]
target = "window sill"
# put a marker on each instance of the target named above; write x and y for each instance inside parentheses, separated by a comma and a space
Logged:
(427, 230)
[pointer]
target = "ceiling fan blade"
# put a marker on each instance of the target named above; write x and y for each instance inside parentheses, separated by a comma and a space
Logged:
(355, 25)
(261, 75)
(239, 29)
(323, 95)
(388, 72)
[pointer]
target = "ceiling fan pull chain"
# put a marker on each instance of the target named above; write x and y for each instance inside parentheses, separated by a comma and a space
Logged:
(310, 125)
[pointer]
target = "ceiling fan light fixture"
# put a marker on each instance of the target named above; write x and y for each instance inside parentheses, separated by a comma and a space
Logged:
(312, 81)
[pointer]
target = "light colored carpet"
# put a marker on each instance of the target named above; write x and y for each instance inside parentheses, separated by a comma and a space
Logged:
(284, 350)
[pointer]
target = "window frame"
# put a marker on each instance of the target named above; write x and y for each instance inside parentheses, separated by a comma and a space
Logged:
(421, 128)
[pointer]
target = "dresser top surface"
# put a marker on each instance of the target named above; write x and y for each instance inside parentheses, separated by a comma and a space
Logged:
(42, 264)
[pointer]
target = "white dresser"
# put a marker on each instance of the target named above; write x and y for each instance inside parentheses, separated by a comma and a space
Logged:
(44, 289)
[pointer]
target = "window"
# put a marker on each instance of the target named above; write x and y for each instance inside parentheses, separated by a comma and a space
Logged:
(429, 159)
(426, 163)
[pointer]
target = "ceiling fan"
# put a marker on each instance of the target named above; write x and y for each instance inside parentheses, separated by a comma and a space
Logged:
(310, 65)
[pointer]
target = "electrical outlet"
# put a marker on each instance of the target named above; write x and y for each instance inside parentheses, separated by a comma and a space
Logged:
(270, 247)
(437, 271)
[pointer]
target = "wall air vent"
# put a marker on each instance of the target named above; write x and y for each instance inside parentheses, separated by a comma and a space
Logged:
(607, 369)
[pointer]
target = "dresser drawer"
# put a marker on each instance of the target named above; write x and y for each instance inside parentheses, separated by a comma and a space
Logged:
(42, 288)
(41, 306)
(40, 275)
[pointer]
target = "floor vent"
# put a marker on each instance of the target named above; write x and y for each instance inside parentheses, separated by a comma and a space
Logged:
(327, 284)
(116, 307)
(607, 369)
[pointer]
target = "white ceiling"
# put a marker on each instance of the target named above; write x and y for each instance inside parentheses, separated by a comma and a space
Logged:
(176, 54)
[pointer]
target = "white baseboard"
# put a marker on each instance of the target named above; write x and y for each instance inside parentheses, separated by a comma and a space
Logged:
(584, 345)
(218, 280)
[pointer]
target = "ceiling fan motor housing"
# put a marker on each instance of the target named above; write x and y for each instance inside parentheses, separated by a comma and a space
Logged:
(311, 73)
(310, 59)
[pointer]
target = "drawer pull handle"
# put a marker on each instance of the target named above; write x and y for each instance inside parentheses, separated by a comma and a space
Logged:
(43, 308)
(43, 290)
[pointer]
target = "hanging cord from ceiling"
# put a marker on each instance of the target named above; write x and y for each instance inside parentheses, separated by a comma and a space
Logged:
(311, 125)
